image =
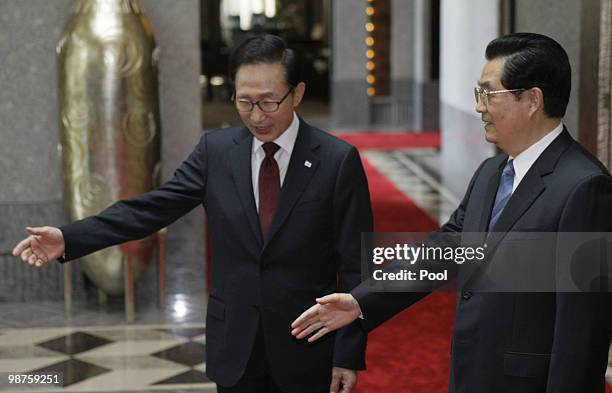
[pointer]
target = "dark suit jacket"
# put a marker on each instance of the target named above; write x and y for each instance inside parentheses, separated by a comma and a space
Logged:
(313, 249)
(525, 342)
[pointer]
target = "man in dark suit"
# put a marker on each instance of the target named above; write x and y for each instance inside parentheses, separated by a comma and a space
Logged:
(286, 205)
(544, 181)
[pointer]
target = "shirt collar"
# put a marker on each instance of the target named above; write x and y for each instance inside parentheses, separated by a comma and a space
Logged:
(526, 158)
(286, 140)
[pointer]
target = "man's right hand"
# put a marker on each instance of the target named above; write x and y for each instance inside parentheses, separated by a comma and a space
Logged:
(44, 244)
(330, 313)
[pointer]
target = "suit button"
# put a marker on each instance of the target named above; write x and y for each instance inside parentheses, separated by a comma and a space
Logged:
(466, 295)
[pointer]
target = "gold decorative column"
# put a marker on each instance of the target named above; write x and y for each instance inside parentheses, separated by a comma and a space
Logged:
(110, 134)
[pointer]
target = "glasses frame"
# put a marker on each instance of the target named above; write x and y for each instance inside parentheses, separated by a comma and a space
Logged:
(481, 94)
(253, 103)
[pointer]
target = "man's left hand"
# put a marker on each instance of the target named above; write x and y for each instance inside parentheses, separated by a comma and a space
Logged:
(343, 377)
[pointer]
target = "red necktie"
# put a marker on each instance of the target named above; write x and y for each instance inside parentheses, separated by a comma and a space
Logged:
(269, 187)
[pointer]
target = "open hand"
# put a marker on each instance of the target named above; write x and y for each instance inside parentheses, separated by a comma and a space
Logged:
(44, 244)
(330, 313)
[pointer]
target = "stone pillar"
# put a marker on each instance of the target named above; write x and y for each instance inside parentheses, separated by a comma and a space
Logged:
(463, 38)
(412, 102)
(426, 91)
(177, 30)
(559, 20)
(349, 101)
(415, 93)
(30, 184)
(404, 59)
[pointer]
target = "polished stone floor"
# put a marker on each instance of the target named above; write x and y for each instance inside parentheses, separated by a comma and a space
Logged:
(415, 172)
(96, 350)
(115, 358)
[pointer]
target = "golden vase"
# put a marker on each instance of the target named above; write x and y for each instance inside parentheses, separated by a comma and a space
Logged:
(109, 122)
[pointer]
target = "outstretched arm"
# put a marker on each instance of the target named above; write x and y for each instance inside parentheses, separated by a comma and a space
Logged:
(340, 309)
(126, 220)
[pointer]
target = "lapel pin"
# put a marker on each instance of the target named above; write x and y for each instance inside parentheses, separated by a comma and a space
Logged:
(307, 164)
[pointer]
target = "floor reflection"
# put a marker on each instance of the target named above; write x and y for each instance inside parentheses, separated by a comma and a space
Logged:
(110, 358)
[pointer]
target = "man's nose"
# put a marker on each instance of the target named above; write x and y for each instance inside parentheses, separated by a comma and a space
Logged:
(257, 114)
(480, 106)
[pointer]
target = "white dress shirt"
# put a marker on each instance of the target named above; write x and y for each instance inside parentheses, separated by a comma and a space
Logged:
(285, 141)
(526, 158)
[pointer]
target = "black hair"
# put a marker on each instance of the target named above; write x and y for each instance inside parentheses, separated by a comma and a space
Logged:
(266, 49)
(535, 60)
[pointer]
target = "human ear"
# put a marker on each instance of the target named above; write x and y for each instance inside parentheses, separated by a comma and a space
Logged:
(535, 98)
(298, 93)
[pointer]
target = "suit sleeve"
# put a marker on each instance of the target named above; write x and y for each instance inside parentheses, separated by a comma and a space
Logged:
(583, 321)
(376, 306)
(352, 216)
(138, 217)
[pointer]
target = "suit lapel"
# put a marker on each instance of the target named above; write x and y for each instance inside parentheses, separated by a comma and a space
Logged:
(302, 166)
(530, 188)
(240, 157)
(523, 197)
(484, 206)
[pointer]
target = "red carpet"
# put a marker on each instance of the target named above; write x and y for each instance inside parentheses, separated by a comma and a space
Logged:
(411, 352)
(390, 140)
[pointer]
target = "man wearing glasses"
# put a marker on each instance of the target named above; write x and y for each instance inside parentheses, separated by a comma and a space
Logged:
(544, 181)
(286, 204)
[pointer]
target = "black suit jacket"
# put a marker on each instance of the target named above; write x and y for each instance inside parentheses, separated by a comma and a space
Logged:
(313, 249)
(525, 342)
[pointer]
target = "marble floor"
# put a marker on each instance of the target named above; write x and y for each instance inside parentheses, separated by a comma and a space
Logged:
(415, 172)
(112, 358)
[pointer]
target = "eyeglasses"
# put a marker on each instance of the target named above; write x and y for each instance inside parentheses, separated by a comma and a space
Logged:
(265, 105)
(483, 94)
